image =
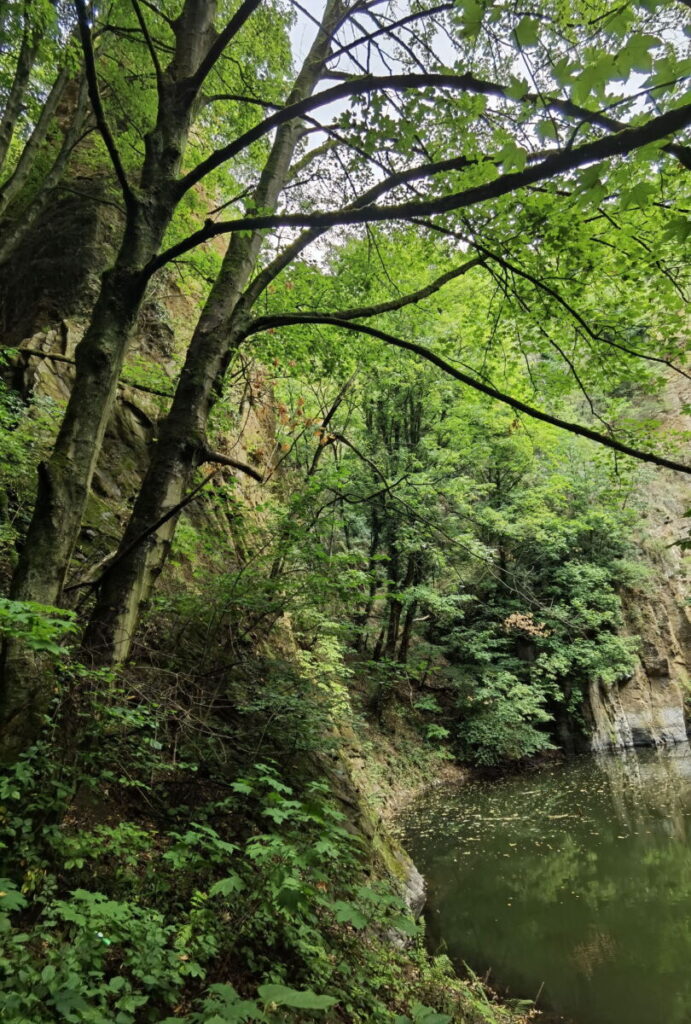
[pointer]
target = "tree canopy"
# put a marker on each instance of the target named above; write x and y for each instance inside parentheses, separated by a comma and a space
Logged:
(344, 368)
(539, 158)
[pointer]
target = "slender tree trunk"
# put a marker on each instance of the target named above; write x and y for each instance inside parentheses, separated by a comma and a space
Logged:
(31, 40)
(364, 616)
(394, 606)
(14, 233)
(182, 442)
(64, 481)
(406, 633)
(14, 184)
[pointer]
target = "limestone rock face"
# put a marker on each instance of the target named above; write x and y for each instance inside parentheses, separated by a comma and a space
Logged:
(640, 713)
(415, 891)
(648, 708)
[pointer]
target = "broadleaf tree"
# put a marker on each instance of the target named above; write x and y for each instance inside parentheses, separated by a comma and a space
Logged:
(542, 156)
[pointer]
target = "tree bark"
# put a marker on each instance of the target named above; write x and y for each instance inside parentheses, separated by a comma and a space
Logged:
(64, 481)
(182, 442)
(28, 51)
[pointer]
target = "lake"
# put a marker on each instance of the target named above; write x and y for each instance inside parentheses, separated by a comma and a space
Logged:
(571, 883)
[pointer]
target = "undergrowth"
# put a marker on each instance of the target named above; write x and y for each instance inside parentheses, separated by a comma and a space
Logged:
(146, 879)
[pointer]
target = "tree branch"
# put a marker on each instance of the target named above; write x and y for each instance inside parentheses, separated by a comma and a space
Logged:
(289, 320)
(400, 83)
(225, 460)
(57, 357)
(368, 37)
(99, 113)
(149, 42)
(555, 164)
(583, 323)
(215, 51)
(161, 521)
(360, 312)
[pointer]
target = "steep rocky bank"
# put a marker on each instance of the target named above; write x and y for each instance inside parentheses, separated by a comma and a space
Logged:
(648, 709)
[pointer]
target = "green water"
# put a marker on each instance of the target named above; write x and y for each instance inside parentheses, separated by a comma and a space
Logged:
(573, 882)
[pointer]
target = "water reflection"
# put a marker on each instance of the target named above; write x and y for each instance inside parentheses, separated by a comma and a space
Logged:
(577, 876)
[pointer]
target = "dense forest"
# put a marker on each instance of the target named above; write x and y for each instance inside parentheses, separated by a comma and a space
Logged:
(343, 379)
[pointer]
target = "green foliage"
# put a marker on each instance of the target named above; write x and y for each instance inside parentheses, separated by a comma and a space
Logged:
(499, 719)
(420, 550)
(423, 1015)
(39, 627)
(26, 432)
(127, 919)
(488, 557)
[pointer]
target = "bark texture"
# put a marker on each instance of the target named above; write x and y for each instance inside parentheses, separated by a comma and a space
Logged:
(182, 443)
(64, 481)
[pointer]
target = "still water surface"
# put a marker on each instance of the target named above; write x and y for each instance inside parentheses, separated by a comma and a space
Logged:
(573, 881)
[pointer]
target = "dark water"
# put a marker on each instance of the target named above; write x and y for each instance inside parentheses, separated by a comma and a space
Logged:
(573, 881)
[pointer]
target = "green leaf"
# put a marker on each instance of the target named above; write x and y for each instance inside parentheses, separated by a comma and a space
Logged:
(589, 177)
(305, 999)
(527, 32)
(10, 897)
(513, 157)
(563, 71)
(226, 886)
(404, 923)
(428, 1015)
(226, 1007)
(637, 55)
(678, 228)
(593, 78)
(471, 17)
(517, 88)
(347, 913)
(546, 130)
(639, 195)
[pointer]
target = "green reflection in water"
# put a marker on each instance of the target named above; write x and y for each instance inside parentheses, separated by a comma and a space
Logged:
(574, 880)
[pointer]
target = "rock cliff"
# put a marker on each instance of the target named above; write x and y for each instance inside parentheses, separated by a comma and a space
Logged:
(648, 709)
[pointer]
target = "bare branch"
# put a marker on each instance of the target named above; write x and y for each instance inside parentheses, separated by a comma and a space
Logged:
(57, 357)
(225, 460)
(161, 521)
(149, 42)
(360, 312)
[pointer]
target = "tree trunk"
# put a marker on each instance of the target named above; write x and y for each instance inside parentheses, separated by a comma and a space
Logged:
(181, 445)
(25, 62)
(13, 233)
(363, 617)
(63, 486)
(14, 184)
(64, 481)
(406, 633)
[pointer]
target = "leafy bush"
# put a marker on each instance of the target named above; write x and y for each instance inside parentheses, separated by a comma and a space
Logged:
(39, 627)
(119, 904)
